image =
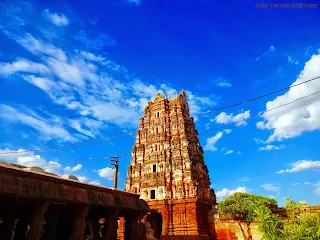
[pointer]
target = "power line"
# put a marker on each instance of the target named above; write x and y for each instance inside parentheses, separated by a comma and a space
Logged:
(210, 130)
(77, 161)
(261, 113)
(256, 98)
(134, 132)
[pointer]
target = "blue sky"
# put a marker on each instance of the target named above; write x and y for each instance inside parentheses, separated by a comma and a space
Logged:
(71, 72)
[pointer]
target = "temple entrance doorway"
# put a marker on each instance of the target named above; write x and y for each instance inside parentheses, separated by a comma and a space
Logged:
(155, 220)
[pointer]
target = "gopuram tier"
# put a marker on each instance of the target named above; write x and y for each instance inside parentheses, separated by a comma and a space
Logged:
(168, 170)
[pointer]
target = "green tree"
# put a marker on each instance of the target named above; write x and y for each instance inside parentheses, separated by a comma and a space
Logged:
(241, 207)
(298, 226)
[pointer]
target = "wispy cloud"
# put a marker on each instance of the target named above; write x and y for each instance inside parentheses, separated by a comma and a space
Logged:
(81, 79)
(223, 83)
(29, 159)
(271, 147)
(239, 119)
(48, 128)
(302, 165)
(57, 19)
(271, 50)
(271, 187)
(210, 143)
(244, 179)
(317, 186)
(291, 60)
(228, 152)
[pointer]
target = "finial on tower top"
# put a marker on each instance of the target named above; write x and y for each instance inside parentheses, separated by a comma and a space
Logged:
(183, 93)
(159, 97)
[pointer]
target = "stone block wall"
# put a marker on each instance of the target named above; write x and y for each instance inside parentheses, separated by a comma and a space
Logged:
(230, 230)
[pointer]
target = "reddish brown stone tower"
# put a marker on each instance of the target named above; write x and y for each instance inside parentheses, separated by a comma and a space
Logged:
(168, 169)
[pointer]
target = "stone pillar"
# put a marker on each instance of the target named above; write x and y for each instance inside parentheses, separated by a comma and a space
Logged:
(131, 227)
(111, 225)
(37, 221)
(51, 219)
(79, 222)
(22, 227)
(8, 225)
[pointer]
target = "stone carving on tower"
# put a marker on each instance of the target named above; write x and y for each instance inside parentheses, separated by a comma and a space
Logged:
(168, 170)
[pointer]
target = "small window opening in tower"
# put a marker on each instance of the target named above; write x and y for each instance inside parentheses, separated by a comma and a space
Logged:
(153, 194)
(156, 130)
(154, 168)
(158, 114)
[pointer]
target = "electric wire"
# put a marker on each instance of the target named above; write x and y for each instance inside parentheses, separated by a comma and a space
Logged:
(226, 126)
(134, 132)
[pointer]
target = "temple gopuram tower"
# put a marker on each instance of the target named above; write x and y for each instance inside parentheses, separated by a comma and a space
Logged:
(168, 169)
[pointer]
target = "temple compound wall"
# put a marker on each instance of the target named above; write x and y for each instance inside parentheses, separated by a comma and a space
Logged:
(37, 205)
(168, 170)
(228, 229)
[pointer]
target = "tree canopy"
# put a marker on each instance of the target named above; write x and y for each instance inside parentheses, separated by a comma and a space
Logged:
(241, 208)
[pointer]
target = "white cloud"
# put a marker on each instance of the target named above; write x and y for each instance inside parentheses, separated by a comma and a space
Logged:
(302, 165)
(227, 192)
(23, 65)
(301, 116)
(83, 179)
(270, 187)
(238, 153)
(244, 179)
(82, 80)
(57, 19)
(257, 140)
(291, 60)
(271, 147)
(228, 152)
(239, 119)
(295, 184)
(37, 46)
(73, 169)
(198, 103)
(95, 182)
(223, 83)
(29, 159)
(228, 131)
(48, 128)
(210, 145)
(317, 186)
(271, 50)
(106, 173)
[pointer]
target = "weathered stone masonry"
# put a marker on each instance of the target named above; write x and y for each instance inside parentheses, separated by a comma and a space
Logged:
(37, 206)
(168, 170)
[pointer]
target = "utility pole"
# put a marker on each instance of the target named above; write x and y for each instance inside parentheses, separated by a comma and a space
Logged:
(115, 163)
